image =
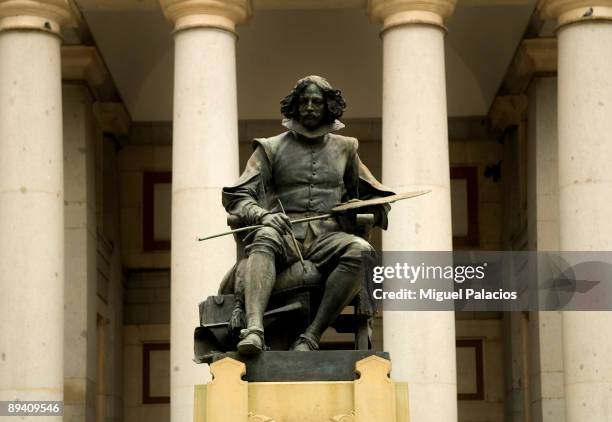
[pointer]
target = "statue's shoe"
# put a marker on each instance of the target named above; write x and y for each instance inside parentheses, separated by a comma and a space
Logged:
(305, 343)
(252, 341)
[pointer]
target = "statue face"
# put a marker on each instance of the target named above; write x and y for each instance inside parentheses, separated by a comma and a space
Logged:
(312, 107)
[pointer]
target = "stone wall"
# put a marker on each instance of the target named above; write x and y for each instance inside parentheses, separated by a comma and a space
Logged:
(134, 161)
(135, 337)
(147, 297)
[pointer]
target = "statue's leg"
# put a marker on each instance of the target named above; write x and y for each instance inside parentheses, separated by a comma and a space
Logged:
(237, 321)
(342, 285)
(260, 276)
(261, 273)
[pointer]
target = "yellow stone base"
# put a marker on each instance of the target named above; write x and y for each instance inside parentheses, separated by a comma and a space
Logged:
(371, 398)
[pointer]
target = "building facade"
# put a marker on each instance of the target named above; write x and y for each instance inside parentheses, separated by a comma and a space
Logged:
(121, 120)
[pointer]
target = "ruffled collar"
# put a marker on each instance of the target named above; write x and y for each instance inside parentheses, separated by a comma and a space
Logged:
(297, 127)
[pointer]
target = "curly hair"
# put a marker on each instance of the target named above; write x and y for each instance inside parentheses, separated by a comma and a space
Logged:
(333, 99)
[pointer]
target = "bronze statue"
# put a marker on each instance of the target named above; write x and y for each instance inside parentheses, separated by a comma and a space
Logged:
(303, 172)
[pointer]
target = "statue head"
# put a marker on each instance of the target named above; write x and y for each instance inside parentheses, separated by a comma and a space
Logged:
(313, 102)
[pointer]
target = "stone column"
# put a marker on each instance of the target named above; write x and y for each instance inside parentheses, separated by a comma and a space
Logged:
(415, 156)
(205, 158)
(546, 336)
(585, 188)
(543, 212)
(113, 121)
(80, 299)
(80, 248)
(31, 201)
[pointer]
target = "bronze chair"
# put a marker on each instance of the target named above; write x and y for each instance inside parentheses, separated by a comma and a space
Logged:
(295, 297)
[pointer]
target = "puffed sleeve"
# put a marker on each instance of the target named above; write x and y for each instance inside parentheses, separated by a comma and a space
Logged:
(247, 197)
(351, 173)
(367, 187)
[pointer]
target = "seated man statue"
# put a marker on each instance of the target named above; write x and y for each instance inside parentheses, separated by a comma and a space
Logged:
(303, 172)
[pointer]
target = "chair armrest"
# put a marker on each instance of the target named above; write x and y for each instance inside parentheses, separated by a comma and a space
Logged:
(365, 219)
(364, 224)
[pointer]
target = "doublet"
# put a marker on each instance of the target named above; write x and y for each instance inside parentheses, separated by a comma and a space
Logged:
(309, 175)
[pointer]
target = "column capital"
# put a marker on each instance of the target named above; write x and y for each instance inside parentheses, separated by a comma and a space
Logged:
(508, 110)
(572, 11)
(84, 63)
(221, 14)
(534, 57)
(112, 117)
(393, 13)
(43, 15)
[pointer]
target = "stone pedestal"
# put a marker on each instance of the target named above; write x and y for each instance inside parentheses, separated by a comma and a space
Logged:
(367, 395)
(324, 365)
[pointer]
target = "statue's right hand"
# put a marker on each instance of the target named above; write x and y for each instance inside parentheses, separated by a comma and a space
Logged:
(278, 220)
